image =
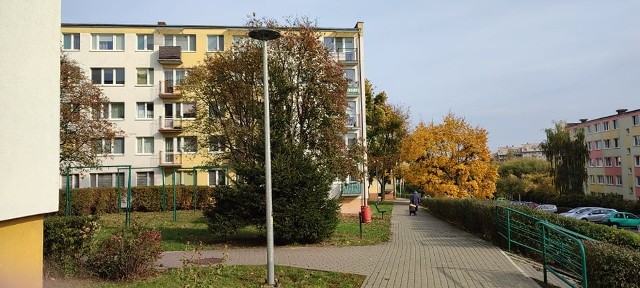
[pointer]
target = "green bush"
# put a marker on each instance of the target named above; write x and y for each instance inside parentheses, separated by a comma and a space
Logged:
(612, 266)
(127, 254)
(66, 241)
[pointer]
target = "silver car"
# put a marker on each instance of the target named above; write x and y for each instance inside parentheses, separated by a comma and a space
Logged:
(596, 215)
(547, 208)
(579, 212)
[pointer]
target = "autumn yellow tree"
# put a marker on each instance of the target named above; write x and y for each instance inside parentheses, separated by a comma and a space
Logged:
(449, 159)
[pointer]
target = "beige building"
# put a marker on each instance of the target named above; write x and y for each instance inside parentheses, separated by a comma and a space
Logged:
(30, 76)
(526, 151)
(614, 153)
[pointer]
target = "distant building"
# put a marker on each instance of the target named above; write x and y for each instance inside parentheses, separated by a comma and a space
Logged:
(527, 151)
(614, 153)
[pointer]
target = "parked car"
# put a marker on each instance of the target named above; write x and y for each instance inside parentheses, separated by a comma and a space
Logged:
(622, 219)
(596, 215)
(579, 212)
(547, 208)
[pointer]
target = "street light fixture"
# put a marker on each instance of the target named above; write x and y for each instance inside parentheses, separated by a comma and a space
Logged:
(265, 34)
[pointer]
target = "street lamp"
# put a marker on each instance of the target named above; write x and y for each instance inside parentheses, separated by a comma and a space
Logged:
(265, 34)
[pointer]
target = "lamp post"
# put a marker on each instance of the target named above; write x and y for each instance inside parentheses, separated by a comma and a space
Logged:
(265, 34)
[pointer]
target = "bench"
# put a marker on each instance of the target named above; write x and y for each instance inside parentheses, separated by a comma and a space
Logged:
(379, 210)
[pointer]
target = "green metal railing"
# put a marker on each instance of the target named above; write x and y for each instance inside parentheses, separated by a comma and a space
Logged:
(561, 250)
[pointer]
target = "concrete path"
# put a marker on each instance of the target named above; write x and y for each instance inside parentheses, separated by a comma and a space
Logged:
(423, 252)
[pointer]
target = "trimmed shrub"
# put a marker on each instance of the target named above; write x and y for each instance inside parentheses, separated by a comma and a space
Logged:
(66, 241)
(128, 254)
(612, 266)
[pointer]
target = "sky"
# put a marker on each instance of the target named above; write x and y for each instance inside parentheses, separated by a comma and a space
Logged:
(509, 67)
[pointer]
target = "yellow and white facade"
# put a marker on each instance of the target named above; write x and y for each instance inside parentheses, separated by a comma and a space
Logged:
(139, 68)
(30, 76)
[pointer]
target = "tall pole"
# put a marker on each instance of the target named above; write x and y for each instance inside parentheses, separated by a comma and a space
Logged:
(266, 35)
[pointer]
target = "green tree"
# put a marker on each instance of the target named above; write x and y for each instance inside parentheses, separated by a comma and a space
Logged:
(80, 123)
(519, 176)
(450, 159)
(568, 158)
(308, 114)
(387, 127)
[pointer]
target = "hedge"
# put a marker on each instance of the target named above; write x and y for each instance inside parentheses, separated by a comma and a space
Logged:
(91, 201)
(612, 262)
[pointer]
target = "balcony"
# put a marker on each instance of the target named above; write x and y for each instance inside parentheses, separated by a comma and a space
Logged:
(348, 56)
(170, 125)
(171, 55)
(170, 159)
(169, 89)
(351, 189)
(353, 90)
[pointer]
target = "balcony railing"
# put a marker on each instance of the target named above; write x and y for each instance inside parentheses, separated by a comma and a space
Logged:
(169, 89)
(170, 159)
(347, 55)
(353, 89)
(351, 189)
(170, 125)
(170, 55)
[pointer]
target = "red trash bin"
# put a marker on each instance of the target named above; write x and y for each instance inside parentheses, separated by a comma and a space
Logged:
(366, 214)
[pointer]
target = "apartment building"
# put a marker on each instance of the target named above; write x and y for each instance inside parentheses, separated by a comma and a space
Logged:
(526, 151)
(614, 153)
(140, 68)
(30, 140)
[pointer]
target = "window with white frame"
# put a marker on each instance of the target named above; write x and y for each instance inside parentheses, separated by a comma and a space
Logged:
(144, 76)
(173, 77)
(637, 181)
(617, 161)
(588, 128)
(216, 143)
(145, 110)
(217, 177)
(350, 74)
(144, 145)
(607, 162)
(636, 120)
(598, 144)
(114, 146)
(600, 179)
(597, 127)
(615, 123)
(609, 180)
(607, 143)
(352, 139)
(636, 160)
(74, 181)
(636, 140)
(145, 42)
(589, 145)
(619, 180)
(616, 143)
(189, 144)
(107, 42)
(338, 44)
(71, 41)
(351, 112)
(605, 126)
(598, 162)
(592, 162)
(185, 41)
(592, 179)
(215, 43)
(144, 178)
(107, 76)
(111, 111)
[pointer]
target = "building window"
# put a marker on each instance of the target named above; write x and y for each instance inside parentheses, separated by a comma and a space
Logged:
(189, 144)
(618, 161)
(215, 43)
(597, 127)
(111, 111)
(616, 142)
(636, 120)
(107, 76)
(144, 178)
(615, 124)
(217, 177)
(637, 181)
(145, 42)
(605, 126)
(173, 77)
(591, 162)
(144, 76)
(186, 42)
(592, 179)
(350, 74)
(145, 110)
(71, 41)
(589, 146)
(609, 180)
(600, 179)
(607, 144)
(598, 144)
(106, 179)
(351, 113)
(188, 110)
(598, 162)
(74, 181)
(107, 42)
(216, 143)
(113, 146)
(607, 162)
(619, 180)
(637, 161)
(144, 145)
(589, 129)
(352, 139)
(636, 140)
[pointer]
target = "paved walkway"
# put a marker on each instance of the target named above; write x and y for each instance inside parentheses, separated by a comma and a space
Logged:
(423, 252)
